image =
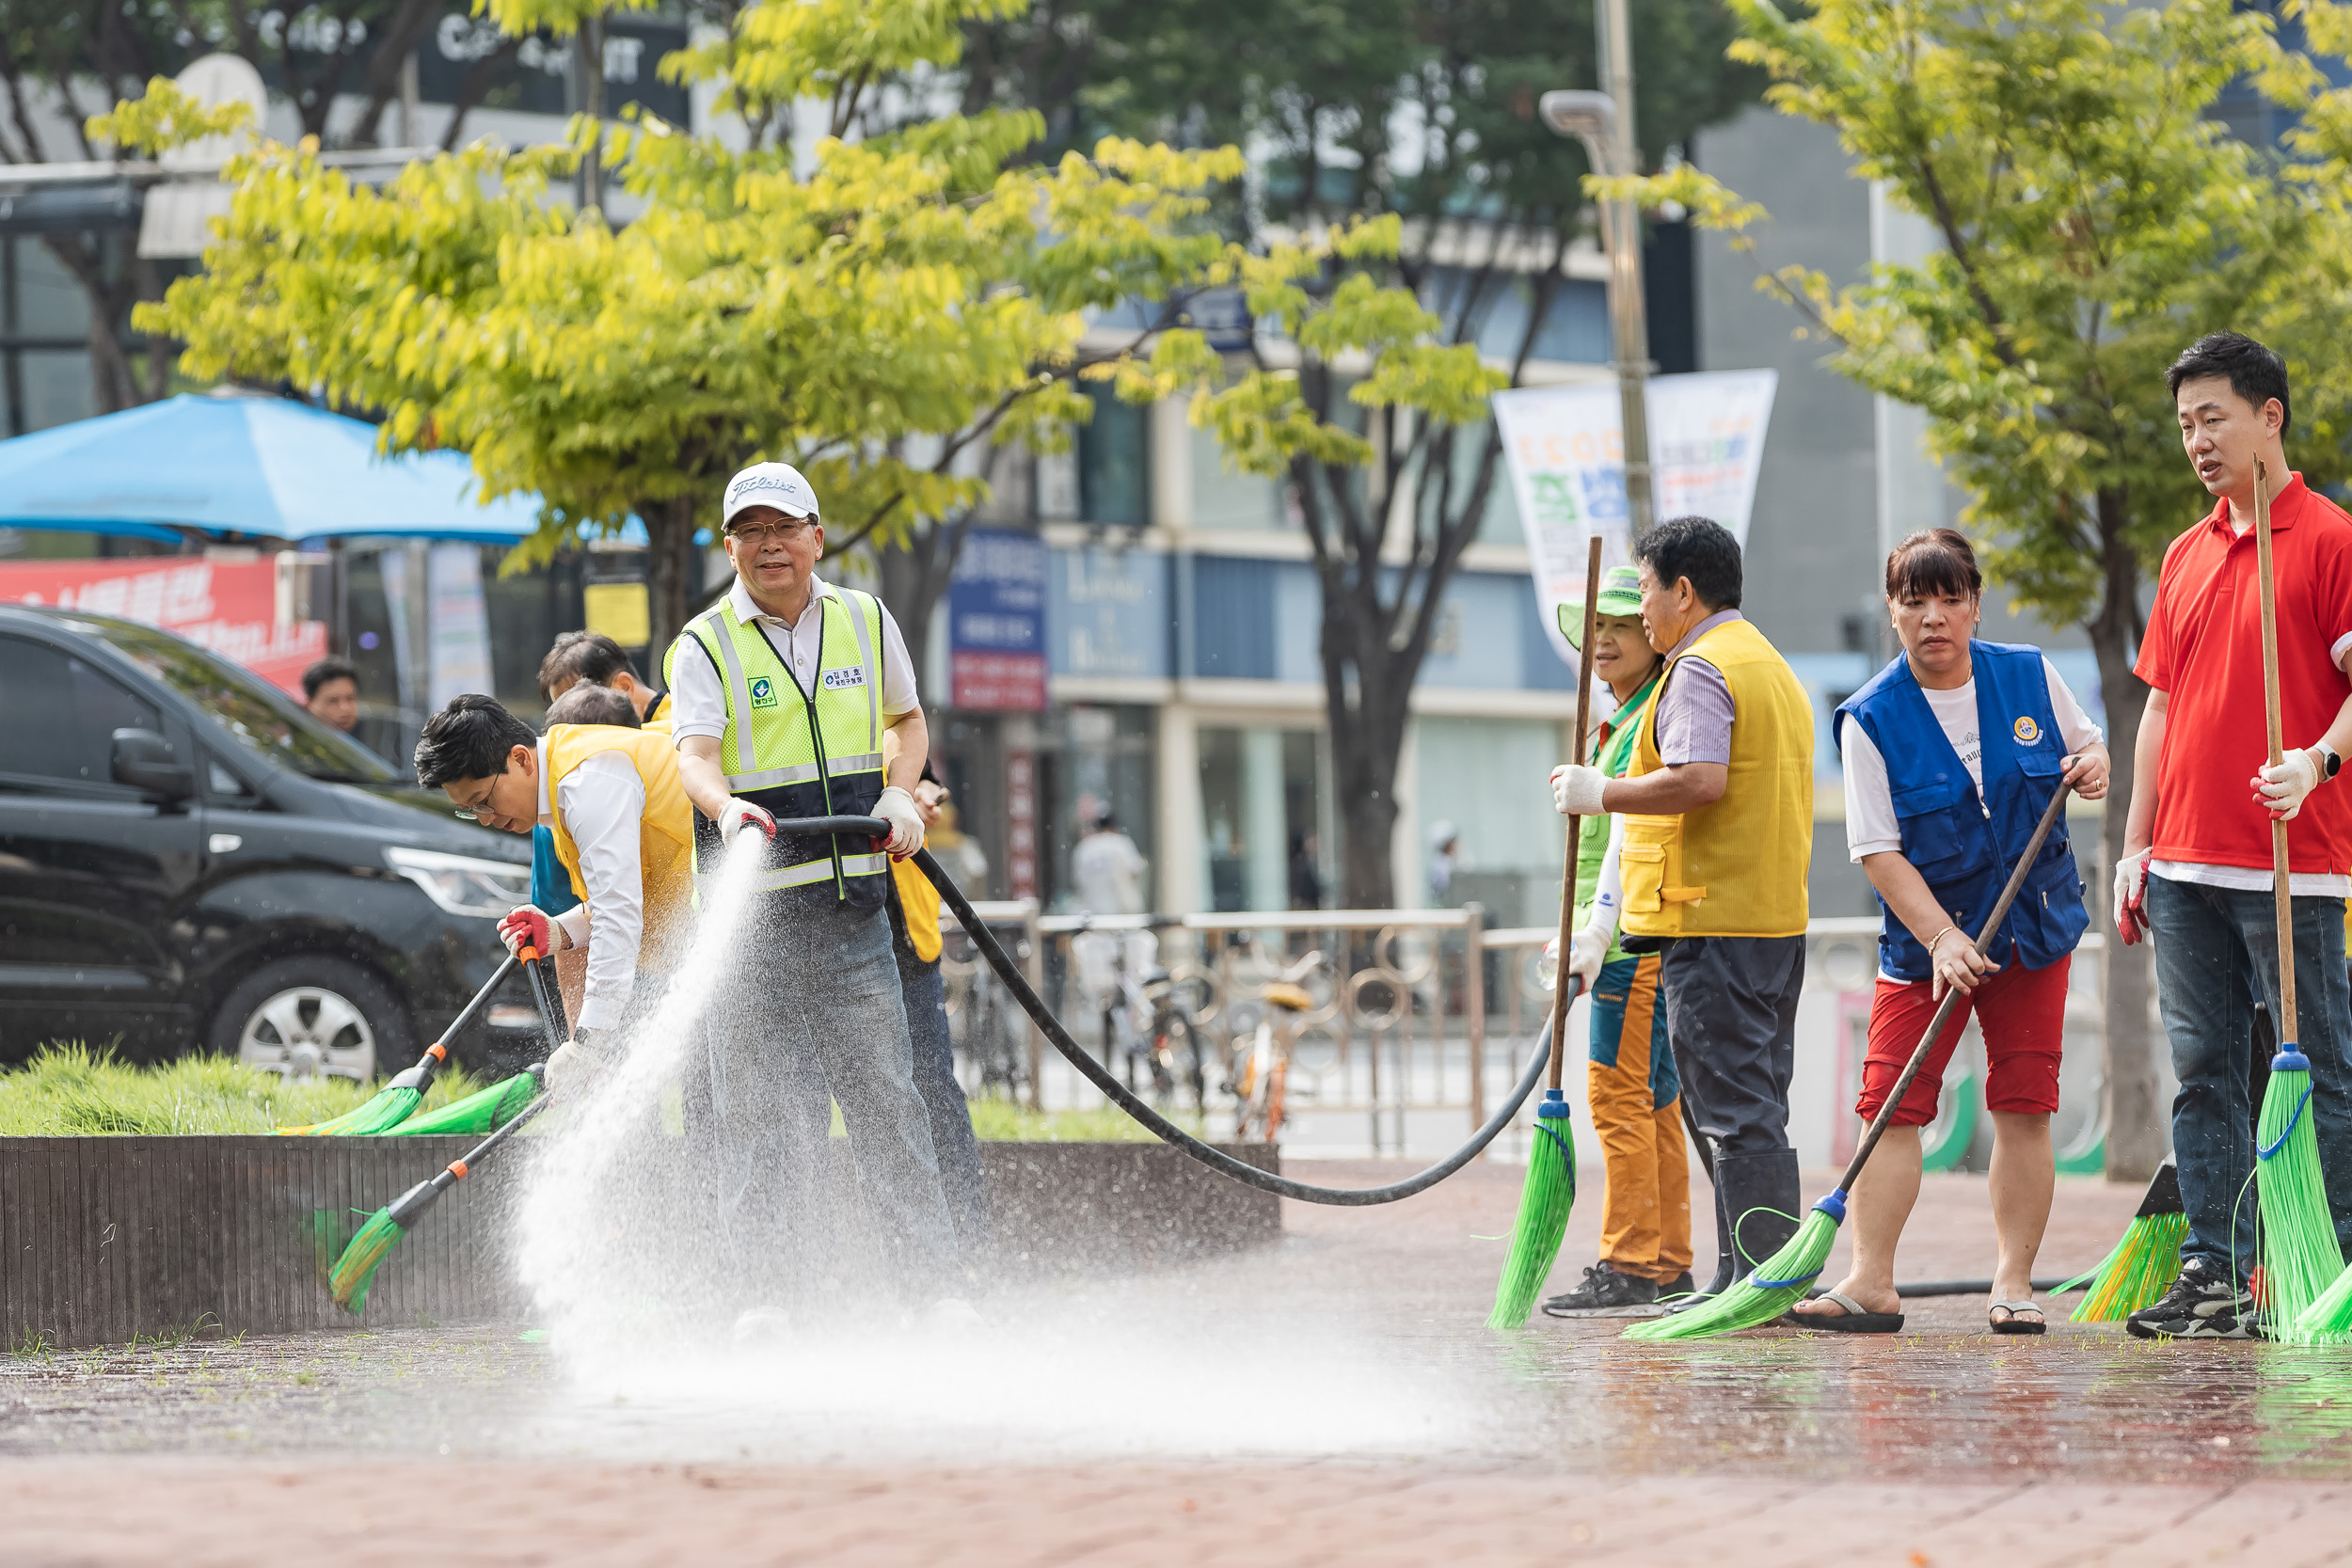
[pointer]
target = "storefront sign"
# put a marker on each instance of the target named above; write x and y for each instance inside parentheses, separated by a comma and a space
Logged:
(996, 622)
(1021, 822)
(459, 619)
(228, 606)
(1566, 449)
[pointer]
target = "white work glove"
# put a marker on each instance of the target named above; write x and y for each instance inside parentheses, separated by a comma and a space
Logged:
(738, 814)
(2283, 788)
(2131, 892)
(1586, 949)
(897, 808)
(1576, 789)
(579, 1061)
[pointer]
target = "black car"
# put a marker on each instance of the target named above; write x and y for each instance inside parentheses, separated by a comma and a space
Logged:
(189, 860)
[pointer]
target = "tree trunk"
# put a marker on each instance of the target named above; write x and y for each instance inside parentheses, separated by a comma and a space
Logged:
(1367, 716)
(674, 570)
(2136, 1125)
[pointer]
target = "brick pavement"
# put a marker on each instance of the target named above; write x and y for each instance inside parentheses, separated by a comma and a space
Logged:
(1328, 1400)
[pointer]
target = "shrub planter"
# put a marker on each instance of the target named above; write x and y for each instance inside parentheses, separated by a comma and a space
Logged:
(103, 1241)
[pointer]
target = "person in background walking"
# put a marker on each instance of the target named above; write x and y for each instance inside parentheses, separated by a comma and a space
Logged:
(1718, 838)
(1108, 870)
(1951, 753)
(2197, 862)
(1635, 1093)
(330, 690)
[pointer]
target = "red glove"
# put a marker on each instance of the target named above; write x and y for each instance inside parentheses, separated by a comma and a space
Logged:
(527, 927)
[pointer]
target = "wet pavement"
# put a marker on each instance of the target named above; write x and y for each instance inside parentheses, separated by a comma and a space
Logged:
(1333, 1398)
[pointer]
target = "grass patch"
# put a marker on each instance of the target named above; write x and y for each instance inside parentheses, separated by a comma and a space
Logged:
(73, 1091)
(1003, 1122)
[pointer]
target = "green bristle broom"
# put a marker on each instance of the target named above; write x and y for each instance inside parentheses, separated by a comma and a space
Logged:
(2137, 1273)
(397, 1100)
(355, 1271)
(2327, 1321)
(485, 1111)
(2296, 1236)
(1551, 1190)
(1780, 1280)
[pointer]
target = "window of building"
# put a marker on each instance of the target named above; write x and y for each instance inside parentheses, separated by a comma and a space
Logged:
(1114, 467)
(1265, 818)
(1483, 781)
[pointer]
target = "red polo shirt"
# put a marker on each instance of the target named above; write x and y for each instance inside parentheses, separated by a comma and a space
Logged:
(2204, 646)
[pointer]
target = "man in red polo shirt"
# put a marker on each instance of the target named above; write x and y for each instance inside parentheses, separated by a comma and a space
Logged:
(2196, 871)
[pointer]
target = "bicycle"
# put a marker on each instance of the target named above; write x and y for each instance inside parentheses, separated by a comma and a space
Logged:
(1172, 1023)
(1259, 1077)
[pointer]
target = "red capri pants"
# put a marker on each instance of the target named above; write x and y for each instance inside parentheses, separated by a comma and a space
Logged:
(2023, 1012)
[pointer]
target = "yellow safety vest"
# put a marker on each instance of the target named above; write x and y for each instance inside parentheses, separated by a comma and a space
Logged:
(800, 754)
(665, 834)
(1737, 867)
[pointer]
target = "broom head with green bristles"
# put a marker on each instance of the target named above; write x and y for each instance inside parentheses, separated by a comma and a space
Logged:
(390, 1105)
(2143, 1263)
(1544, 1205)
(2327, 1321)
(355, 1271)
(485, 1111)
(1771, 1289)
(2296, 1242)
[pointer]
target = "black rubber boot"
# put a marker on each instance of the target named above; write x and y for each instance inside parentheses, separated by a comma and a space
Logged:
(1760, 1198)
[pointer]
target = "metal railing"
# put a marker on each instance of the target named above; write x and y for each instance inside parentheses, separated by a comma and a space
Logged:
(1398, 1042)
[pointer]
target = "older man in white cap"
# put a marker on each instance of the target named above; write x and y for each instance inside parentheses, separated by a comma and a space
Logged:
(781, 694)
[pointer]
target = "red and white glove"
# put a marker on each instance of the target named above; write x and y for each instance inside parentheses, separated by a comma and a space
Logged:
(897, 808)
(740, 814)
(527, 927)
(2281, 789)
(2131, 896)
(1576, 790)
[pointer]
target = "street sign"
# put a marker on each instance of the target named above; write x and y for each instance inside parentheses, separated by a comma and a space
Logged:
(996, 622)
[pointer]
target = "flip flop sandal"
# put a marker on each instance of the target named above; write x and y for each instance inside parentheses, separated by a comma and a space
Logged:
(2013, 1323)
(1853, 1319)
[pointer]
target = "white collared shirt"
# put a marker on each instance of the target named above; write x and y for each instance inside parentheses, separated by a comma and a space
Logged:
(698, 701)
(602, 803)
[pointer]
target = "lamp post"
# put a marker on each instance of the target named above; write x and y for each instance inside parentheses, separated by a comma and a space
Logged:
(1594, 118)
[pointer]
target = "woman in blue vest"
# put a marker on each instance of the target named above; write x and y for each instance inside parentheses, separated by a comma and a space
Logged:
(1950, 755)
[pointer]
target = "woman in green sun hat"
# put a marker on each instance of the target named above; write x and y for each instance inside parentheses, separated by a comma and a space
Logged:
(1630, 1081)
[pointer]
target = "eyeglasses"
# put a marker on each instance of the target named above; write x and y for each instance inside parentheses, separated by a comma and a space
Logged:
(757, 534)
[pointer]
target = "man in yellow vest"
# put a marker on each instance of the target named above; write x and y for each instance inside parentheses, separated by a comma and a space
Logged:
(623, 835)
(780, 696)
(1710, 865)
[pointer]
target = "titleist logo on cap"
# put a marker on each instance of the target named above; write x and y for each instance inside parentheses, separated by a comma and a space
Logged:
(749, 482)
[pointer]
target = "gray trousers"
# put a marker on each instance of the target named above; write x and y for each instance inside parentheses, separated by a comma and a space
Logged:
(952, 1138)
(811, 1014)
(1731, 1010)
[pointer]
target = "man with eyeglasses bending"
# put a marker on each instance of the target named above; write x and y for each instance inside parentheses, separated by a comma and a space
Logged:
(781, 695)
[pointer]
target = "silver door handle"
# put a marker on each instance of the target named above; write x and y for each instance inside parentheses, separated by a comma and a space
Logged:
(224, 844)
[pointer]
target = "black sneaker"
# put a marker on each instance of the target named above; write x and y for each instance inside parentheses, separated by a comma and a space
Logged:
(1680, 1285)
(2202, 1305)
(1607, 1294)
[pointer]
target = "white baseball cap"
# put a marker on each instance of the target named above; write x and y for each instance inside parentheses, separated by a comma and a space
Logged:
(776, 484)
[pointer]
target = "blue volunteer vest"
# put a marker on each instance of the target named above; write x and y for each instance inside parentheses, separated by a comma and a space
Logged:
(1962, 846)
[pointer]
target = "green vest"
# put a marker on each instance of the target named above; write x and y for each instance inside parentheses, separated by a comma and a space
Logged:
(1612, 756)
(796, 752)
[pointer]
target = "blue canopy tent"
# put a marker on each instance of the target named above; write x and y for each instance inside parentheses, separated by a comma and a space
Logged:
(245, 466)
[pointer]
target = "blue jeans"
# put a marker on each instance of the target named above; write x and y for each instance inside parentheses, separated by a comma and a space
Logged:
(2217, 951)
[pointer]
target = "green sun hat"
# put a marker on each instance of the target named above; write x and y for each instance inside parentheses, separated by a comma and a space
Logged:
(1620, 594)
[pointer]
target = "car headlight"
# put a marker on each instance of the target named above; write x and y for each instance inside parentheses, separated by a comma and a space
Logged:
(461, 885)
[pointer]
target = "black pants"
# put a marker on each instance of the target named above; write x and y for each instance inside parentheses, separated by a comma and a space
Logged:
(1731, 1010)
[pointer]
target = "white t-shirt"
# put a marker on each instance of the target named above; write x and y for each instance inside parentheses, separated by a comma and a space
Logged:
(602, 803)
(1871, 826)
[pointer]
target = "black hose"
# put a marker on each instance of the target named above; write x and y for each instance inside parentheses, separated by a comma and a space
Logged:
(1216, 1159)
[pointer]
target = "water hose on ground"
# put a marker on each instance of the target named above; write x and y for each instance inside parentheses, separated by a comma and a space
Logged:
(1120, 1095)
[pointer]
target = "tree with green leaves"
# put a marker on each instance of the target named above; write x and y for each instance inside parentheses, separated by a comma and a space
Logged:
(869, 319)
(2094, 219)
(1406, 161)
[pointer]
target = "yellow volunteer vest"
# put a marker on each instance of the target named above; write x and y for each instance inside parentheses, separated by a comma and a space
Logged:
(796, 752)
(919, 902)
(665, 834)
(1736, 868)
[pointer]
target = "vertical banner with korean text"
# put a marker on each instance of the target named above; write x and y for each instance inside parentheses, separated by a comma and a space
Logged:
(1565, 450)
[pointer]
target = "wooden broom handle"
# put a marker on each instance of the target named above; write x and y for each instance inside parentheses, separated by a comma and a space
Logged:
(1567, 874)
(2281, 890)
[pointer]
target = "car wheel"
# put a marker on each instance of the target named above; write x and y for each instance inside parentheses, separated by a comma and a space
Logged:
(310, 1018)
